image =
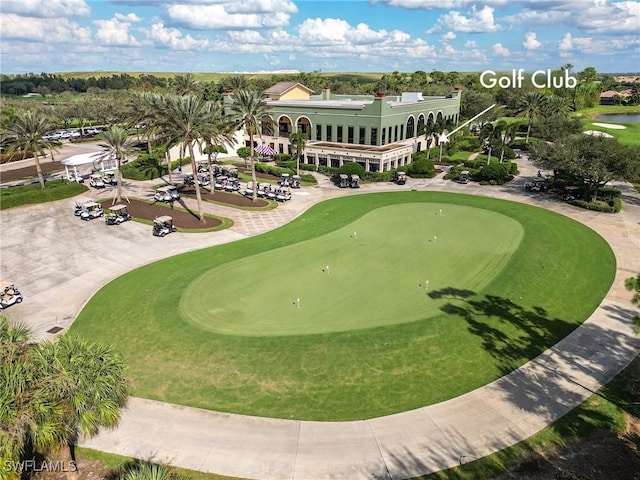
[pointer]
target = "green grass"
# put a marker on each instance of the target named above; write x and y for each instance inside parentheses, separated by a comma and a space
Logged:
(548, 286)
(399, 295)
(629, 136)
(604, 410)
(30, 194)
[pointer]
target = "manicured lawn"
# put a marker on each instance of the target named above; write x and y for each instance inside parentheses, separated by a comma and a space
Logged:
(482, 316)
(630, 135)
(30, 194)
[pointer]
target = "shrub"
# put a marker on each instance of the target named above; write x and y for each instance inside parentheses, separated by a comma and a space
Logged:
(499, 173)
(378, 176)
(421, 168)
(307, 177)
(271, 170)
(613, 206)
(282, 158)
(609, 192)
(351, 168)
(15, 156)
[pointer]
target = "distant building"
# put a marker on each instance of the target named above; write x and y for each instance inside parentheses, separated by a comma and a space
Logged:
(380, 132)
(612, 97)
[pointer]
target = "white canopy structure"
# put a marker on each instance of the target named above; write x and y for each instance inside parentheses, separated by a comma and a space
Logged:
(71, 164)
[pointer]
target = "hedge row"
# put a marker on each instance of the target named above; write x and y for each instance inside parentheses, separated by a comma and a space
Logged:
(612, 206)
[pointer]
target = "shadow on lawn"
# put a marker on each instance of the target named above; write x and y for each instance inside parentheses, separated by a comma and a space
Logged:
(570, 370)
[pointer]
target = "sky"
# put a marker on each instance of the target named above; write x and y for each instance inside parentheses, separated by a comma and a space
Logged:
(329, 36)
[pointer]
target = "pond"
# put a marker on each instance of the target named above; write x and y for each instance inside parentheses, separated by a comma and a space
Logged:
(619, 117)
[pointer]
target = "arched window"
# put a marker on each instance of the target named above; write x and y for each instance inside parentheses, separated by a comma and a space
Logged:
(411, 127)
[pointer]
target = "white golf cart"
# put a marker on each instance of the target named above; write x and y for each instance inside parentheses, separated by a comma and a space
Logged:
(109, 178)
(9, 294)
(295, 181)
(464, 177)
(344, 181)
(355, 181)
(117, 214)
(163, 225)
(400, 178)
(163, 194)
(284, 180)
(91, 210)
(283, 194)
(95, 181)
(173, 191)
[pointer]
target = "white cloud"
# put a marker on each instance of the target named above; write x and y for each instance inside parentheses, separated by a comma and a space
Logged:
(260, 6)
(480, 21)
(566, 43)
(47, 8)
(334, 31)
(173, 38)
(530, 41)
(501, 51)
(448, 36)
(115, 31)
(42, 29)
(442, 4)
(227, 16)
(614, 18)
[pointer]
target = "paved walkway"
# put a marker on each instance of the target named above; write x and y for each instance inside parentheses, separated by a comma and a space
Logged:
(397, 446)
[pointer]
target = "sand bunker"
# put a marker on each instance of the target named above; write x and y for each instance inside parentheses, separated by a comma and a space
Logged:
(596, 133)
(613, 126)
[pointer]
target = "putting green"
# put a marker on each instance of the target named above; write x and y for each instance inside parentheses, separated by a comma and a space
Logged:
(218, 328)
(372, 272)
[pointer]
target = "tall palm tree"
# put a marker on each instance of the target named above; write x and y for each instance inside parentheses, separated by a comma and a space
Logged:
(25, 134)
(531, 106)
(298, 141)
(251, 111)
(557, 105)
(238, 82)
(187, 120)
(88, 380)
(116, 144)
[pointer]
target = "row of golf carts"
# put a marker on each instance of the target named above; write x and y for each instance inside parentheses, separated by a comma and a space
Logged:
(269, 191)
(102, 180)
(349, 182)
(9, 294)
(89, 210)
(166, 194)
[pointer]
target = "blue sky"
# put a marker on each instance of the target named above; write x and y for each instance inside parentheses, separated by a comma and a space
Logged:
(331, 36)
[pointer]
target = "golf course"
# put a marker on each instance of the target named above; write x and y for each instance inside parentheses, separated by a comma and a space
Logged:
(363, 306)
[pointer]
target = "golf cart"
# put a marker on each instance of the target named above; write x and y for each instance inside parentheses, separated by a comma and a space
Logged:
(79, 205)
(284, 180)
(248, 191)
(220, 182)
(203, 179)
(117, 215)
(95, 180)
(232, 185)
(187, 180)
(283, 194)
(400, 178)
(173, 191)
(109, 178)
(295, 181)
(344, 181)
(230, 171)
(91, 210)
(464, 177)
(9, 294)
(163, 225)
(163, 194)
(355, 181)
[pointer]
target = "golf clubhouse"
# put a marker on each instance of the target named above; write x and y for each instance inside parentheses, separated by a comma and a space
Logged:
(380, 132)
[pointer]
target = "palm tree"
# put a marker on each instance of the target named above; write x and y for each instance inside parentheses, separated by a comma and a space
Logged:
(118, 145)
(251, 111)
(298, 141)
(88, 381)
(28, 414)
(557, 105)
(531, 106)
(504, 132)
(188, 120)
(25, 134)
(238, 82)
(185, 84)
